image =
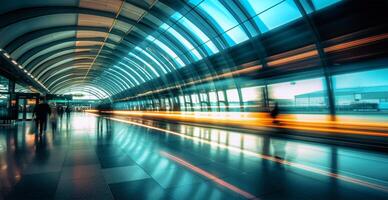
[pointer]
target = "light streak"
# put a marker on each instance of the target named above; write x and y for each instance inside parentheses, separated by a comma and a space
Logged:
(266, 157)
(209, 176)
(256, 120)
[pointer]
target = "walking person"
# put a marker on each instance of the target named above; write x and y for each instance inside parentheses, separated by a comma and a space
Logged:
(54, 118)
(274, 113)
(41, 112)
(60, 111)
(68, 111)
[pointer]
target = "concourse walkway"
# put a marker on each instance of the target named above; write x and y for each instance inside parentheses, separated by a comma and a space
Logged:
(110, 157)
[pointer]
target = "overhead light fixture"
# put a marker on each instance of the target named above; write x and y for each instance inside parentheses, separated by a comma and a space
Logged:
(25, 71)
(21, 67)
(14, 62)
(6, 55)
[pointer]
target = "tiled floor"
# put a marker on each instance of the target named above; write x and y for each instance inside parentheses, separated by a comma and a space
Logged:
(88, 158)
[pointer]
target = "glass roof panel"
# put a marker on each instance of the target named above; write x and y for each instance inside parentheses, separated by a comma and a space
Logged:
(225, 20)
(196, 32)
(166, 49)
(183, 40)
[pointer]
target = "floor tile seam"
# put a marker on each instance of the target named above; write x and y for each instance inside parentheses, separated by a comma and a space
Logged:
(149, 175)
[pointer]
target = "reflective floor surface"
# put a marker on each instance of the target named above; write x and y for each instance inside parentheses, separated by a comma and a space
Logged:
(91, 157)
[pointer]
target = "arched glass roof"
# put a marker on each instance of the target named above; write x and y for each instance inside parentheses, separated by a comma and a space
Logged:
(109, 46)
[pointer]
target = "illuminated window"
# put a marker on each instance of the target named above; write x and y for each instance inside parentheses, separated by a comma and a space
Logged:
(319, 4)
(362, 91)
(183, 40)
(167, 50)
(213, 97)
(151, 57)
(300, 96)
(232, 95)
(194, 98)
(272, 13)
(233, 100)
(221, 96)
(213, 101)
(145, 63)
(252, 98)
(224, 19)
(210, 47)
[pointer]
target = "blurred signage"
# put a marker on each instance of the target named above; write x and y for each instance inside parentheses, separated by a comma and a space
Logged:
(78, 95)
(31, 101)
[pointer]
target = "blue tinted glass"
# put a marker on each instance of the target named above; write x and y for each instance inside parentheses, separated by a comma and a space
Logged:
(255, 7)
(183, 40)
(167, 50)
(271, 13)
(132, 70)
(126, 73)
(224, 19)
(151, 57)
(319, 4)
(145, 63)
(133, 63)
(196, 31)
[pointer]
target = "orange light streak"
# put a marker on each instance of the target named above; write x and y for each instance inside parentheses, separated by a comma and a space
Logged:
(293, 58)
(256, 120)
(209, 176)
(266, 157)
(356, 43)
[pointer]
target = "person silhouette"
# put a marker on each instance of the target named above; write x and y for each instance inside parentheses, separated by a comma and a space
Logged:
(274, 113)
(41, 112)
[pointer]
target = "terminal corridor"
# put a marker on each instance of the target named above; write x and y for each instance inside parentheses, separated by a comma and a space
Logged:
(94, 157)
(193, 99)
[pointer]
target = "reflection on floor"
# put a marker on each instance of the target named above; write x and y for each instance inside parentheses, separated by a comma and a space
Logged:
(90, 157)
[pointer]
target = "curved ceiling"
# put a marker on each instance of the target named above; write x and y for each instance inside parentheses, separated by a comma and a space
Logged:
(107, 46)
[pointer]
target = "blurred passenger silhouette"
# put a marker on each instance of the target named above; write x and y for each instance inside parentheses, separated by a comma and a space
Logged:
(41, 112)
(54, 118)
(274, 113)
(68, 111)
(60, 111)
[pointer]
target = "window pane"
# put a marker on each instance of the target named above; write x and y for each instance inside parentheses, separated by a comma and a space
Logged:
(300, 96)
(167, 50)
(196, 32)
(196, 103)
(221, 96)
(145, 63)
(151, 57)
(319, 4)
(233, 100)
(252, 98)
(183, 40)
(224, 19)
(272, 14)
(365, 92)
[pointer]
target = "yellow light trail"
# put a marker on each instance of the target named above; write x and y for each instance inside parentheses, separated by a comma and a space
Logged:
(266, 157)
(256, 120)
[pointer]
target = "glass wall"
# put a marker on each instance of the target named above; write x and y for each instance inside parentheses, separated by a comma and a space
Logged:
(252, 98)
(365, 91)
(4, 97)
(300, 96)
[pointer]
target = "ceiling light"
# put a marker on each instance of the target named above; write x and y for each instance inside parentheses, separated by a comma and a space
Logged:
(14, 62)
